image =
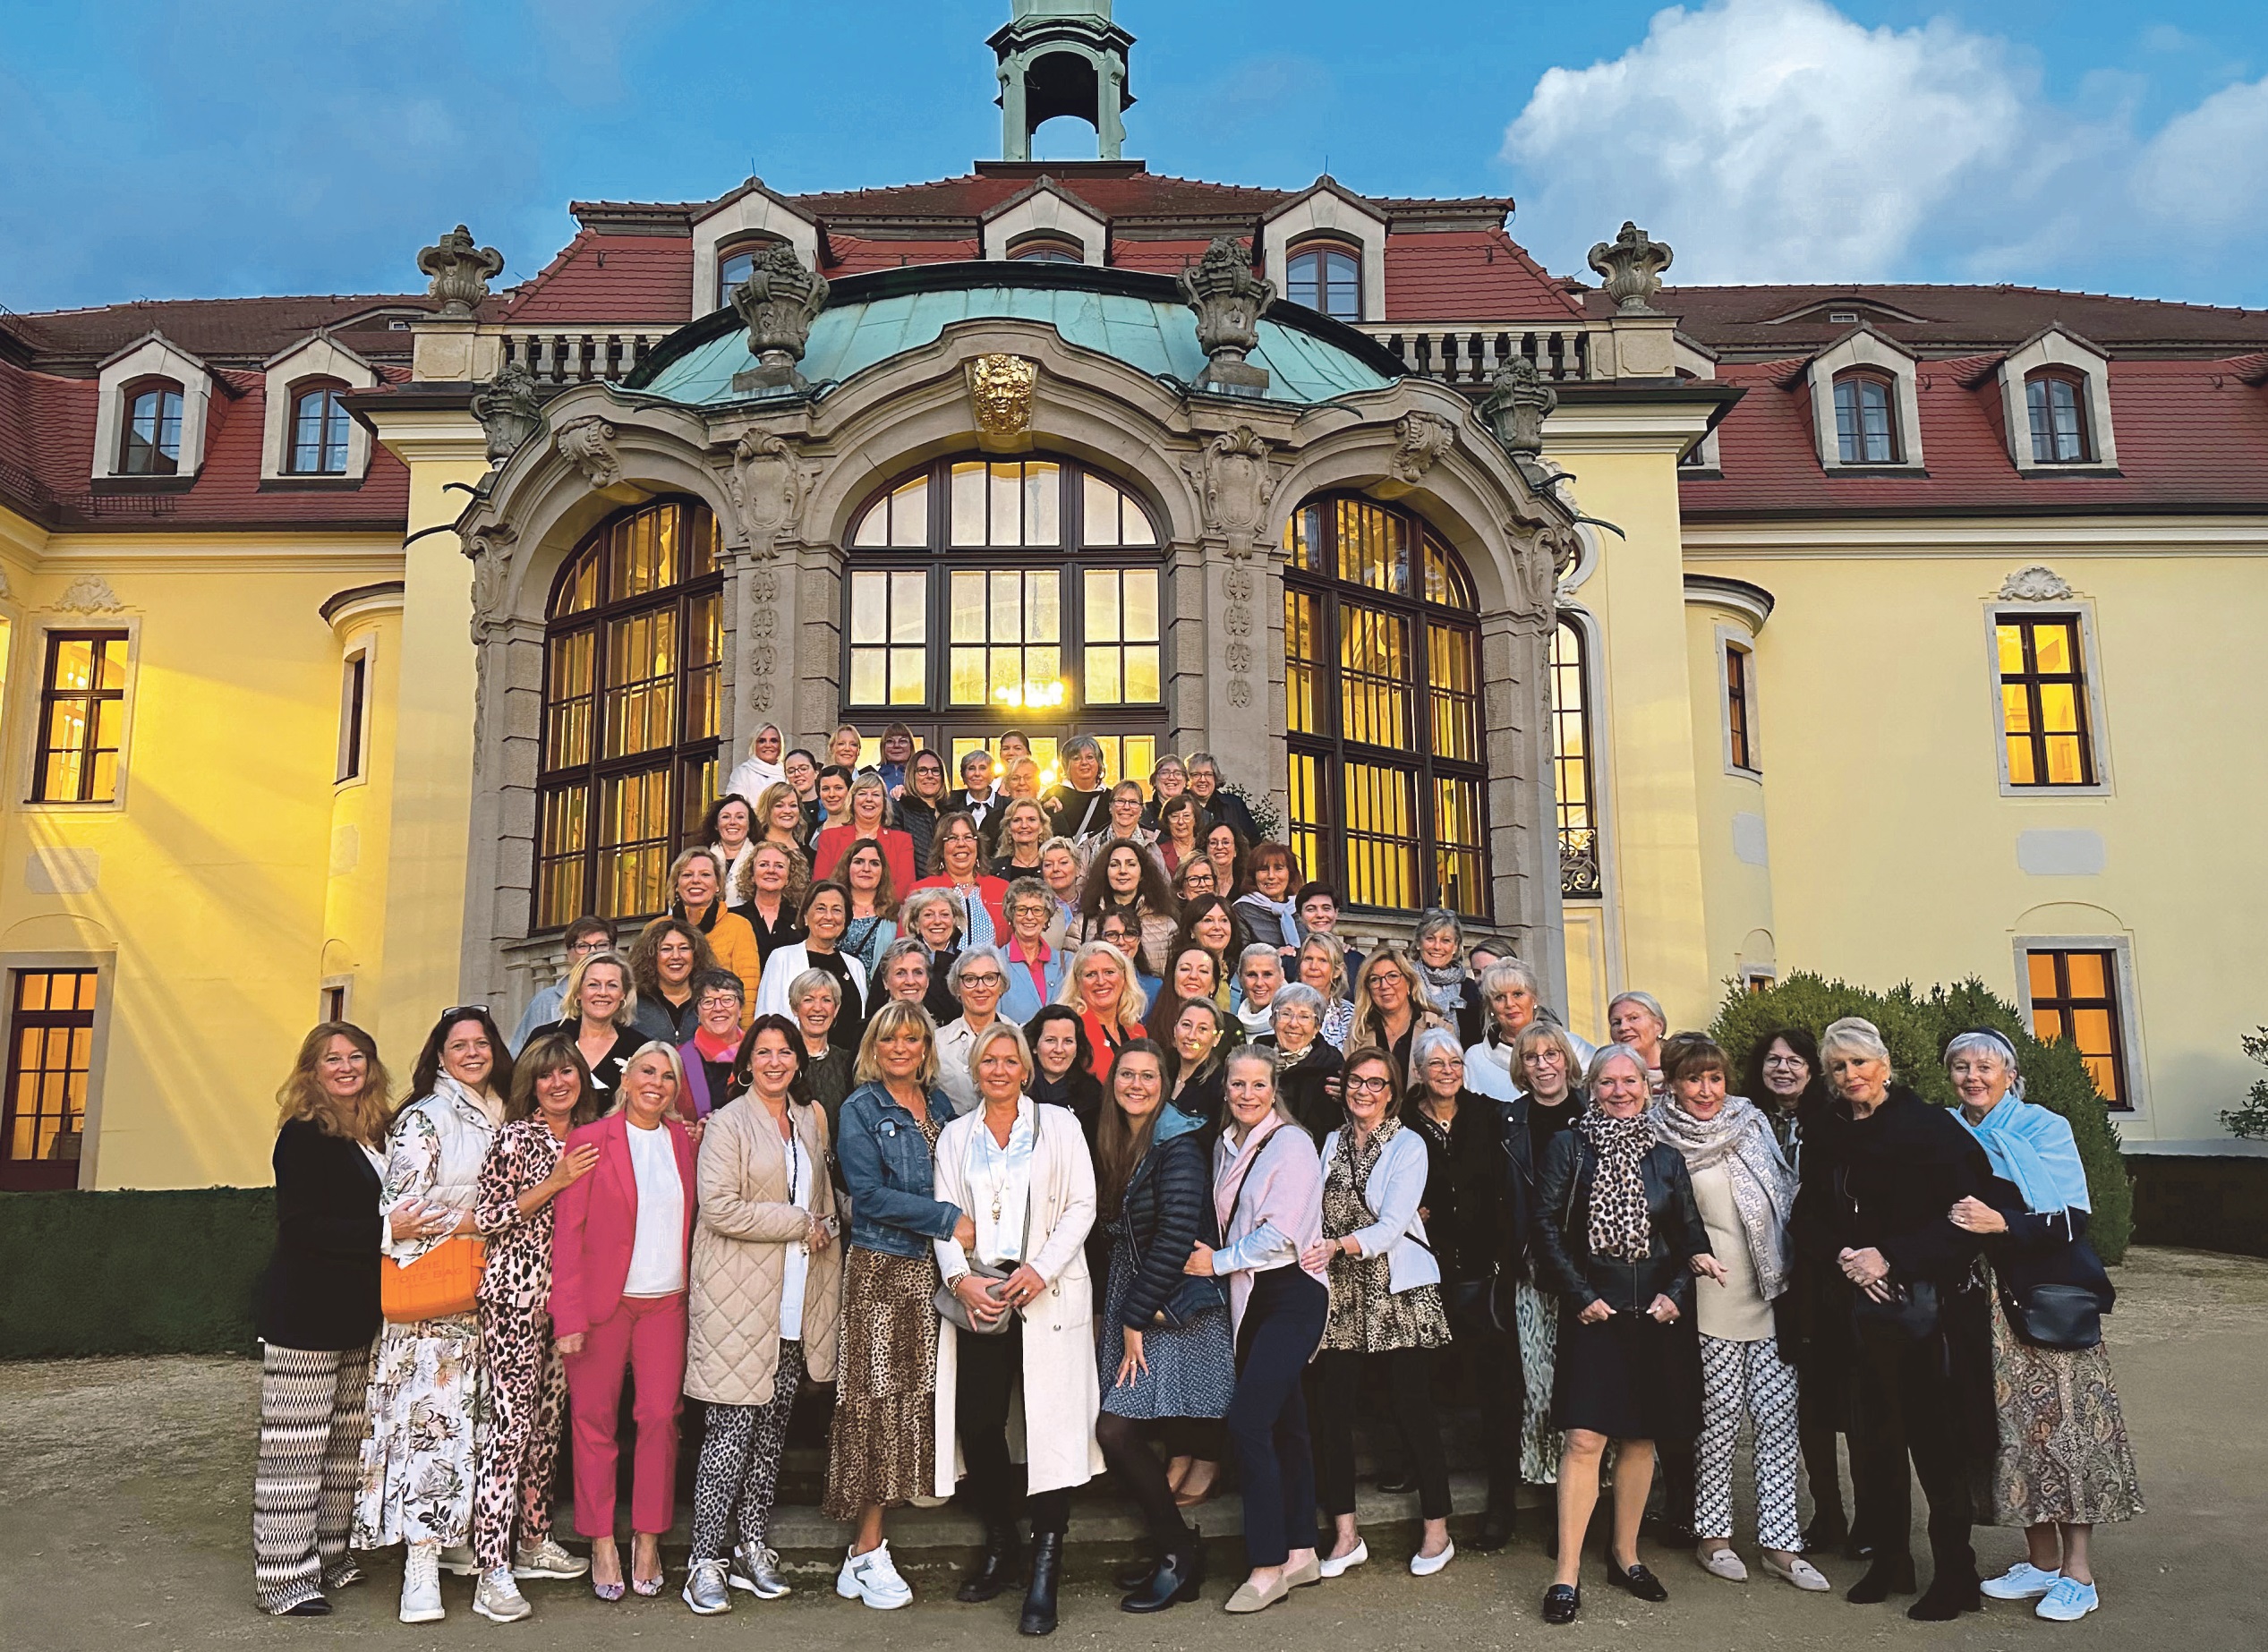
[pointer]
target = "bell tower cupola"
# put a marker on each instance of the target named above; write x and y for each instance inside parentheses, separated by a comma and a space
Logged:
(1062, 57)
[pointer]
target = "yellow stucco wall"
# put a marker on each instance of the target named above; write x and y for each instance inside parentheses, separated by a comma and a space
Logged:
(208, 882)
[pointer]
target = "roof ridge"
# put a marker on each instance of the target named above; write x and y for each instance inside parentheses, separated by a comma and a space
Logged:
(242, 298)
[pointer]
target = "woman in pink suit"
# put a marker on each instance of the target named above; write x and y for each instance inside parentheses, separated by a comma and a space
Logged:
(618, 1304)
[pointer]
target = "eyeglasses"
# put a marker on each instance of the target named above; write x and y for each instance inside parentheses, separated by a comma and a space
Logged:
(454, 1011)
(1369, 1086)
(1784, 1060)
(994, 981)
(577, 949)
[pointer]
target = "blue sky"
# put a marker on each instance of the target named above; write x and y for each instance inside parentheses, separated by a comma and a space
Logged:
(153, 149)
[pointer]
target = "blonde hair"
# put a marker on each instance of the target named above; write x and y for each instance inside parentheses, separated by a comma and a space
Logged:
(1129, 998)
(1332, 947)
(571, 1000)
(889, 1020)
(361, 1119)
(1422, 1014)
(1854, 1032)
(655, 1046)
(992, 1035)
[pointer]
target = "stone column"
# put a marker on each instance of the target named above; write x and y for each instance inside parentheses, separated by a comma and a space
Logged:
(1523, 838)
(1242, 681)
(809, 606)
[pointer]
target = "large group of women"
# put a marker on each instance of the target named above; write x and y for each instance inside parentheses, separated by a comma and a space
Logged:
(1094, 1147)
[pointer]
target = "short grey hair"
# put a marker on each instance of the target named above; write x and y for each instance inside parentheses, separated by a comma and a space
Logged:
(1296, 995)
(921, 900)
(1985, 1041)
(905, 946)
(1080, 744)
(1201, 760)
(1509, 972)
(1646, 1002)
(1435, 921)
(1433, 1038)
(1606, 1055)
(1260, 949)
(813, 981)
(961, 961)
(1854, 1032)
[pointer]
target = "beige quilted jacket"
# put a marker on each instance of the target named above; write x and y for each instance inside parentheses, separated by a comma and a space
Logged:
(740, 1242)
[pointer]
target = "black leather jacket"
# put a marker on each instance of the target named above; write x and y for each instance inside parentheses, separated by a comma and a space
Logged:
(1561, 1232)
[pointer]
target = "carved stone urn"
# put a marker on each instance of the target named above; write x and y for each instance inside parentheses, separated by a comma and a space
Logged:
(461, 269)
(1632, 266)
(1228, 300)
(779, 302)
(1517, 403)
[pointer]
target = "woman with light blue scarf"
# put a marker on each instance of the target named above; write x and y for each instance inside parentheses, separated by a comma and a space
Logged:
(2065, 1463)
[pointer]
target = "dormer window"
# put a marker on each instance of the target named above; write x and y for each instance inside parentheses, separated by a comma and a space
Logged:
(1047, 250)
(1865, 420)
(150, 443)
(738, 264)
(320, 427)
(1328, 278)
(2058, 406)
(1842, 318)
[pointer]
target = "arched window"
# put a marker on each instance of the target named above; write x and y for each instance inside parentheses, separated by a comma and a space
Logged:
(737, 262)
(986, 592)
(1574, 782)
(150, 444)
(1865, 420)
(319, 432)
(1327, 277)
(1047, 250)
(2058, 404)
(632, 641)
(1381, 681)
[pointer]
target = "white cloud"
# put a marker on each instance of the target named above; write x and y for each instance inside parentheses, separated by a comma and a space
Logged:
(1779, 140)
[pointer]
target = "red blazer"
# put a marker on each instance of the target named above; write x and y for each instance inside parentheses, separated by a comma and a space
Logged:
(896, 853)
(992, 890)
(594, 1224)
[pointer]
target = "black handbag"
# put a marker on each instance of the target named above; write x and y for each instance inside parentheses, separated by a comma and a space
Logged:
(1911, 1313)
(2065, 1316)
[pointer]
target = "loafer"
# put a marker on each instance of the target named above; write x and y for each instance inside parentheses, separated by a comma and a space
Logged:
(1423, 1565)
(1304, 1576)
(1249, 1599)
(2022, 1581)
(1721, 1563)
(1636, 1581)
(704, 1588)
(544, 1558)
(2067, 1602)
(1561, 1603)
(756, 1569)
(497, 1598)
(1799, 1572)
(1495, 1534)
(1347, 1561)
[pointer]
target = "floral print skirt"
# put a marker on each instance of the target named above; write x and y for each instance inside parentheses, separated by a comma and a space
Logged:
(2064, 1452)
(427, 1401)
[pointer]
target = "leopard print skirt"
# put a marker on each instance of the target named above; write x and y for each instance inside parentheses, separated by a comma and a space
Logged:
(882, 1448)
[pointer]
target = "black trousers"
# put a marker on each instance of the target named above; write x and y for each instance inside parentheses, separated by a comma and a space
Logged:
(1267, 1420)
(985, 1384)
(1907, 1404)
(1491, 1360)
(1409, 1372)
(1126, 1447)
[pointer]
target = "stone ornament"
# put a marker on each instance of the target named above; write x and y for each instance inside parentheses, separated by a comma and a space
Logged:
(769, 487)
(1240, 692)
(461, 270)
(588, 444)
(1535, 573)
(491, 549)
(1238, 583)
(1228, 300)
(1632, 266)
(508, 411)
(1420, 437)
(1235, 481)
(2037, 583)
(777, 303)
(1517, 403)
(1000, 391)
(89, 593)
(763, 586)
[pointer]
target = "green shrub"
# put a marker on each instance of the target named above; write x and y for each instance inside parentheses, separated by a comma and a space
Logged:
(2251, 1121)
(1916, 1028)
(131, 1272)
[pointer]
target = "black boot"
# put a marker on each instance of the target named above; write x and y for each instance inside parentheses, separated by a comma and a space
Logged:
(1039, 1599)
(996, 1570)
(1890, 1574)
(1952, 1591)
(1495, 1530)
(1178, 1577)
(1136, 1575)
(1827, 1532)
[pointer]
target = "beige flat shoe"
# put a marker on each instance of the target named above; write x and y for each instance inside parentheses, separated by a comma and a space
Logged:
(1249, 1599)
(1799, 1572)
(1300, 1577)
(1721, 1563)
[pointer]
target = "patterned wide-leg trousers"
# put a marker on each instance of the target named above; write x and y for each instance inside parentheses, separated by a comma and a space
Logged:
(519, 1449)
(1747, 1379)
(312, 1412)
(738, 1473)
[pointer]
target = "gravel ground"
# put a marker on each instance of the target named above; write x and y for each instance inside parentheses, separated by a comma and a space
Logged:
(126, 1511)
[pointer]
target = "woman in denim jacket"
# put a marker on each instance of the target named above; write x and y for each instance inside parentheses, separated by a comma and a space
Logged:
(881, 1450)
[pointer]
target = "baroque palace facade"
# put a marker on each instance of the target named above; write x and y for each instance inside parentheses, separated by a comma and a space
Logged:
(1679, 635)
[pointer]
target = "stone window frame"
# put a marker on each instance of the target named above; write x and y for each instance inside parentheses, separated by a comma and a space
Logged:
(33, 698)
(1740, 740)
(1326, 211)
(105, 965)
(1596, 757)
(1043, 212)
(136, 367)
(750, 212)
(287, 375)
(2053, 351)
(1864, 350)
(1997, 611)
(2126, 1001)
(358, 702)
(752, 245)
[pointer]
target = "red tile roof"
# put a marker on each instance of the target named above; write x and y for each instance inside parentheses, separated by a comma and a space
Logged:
(600, 277)
(1470, 276)
(225, 332)
(2192, 435)
(855, 255)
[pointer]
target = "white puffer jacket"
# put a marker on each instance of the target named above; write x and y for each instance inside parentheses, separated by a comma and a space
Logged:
(434, 1154)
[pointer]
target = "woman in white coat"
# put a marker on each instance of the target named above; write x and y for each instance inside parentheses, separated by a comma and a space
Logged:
(1023, 1174)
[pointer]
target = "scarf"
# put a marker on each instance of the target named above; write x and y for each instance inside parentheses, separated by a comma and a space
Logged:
(1446, 986)
(710, 913)
(1285, 912)
(1621, 1227)
(713, 1049)
(1740, 1138)
(2034, 1148)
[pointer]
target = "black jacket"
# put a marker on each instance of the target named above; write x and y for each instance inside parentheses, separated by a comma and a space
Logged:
(1561, 1232)
(321, 1291)
(918, 821)
(1301, 1086)
(1227, 809)
(1515, 1122)
(1204, 1099)
(1167, 1210)
(1887, 1183)
(1468, 1194)
(1073, 813)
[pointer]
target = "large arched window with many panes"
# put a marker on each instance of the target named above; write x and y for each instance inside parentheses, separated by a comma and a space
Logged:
(1382, 680)
(982, 594)
(632, 644)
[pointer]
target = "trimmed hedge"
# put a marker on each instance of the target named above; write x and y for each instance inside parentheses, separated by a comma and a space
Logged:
(131, 1272)
(1917, 1027)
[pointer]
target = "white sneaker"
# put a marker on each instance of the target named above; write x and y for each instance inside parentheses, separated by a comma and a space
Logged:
(2068, 1601)
(544, 1558)
(2022, 1581)
(871, 1579)
(1347, 1561)
(457, 1559)
(1422, 1565)
(422, 1585)
(497, 1598)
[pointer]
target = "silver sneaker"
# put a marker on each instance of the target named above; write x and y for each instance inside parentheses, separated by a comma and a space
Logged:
(499, 1598)
(422, 1585)
(458, 1558)
(704, 1588)
(546, 1559)
(756, 1569)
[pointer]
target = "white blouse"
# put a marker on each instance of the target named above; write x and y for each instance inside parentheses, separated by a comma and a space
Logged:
(798, 1277)
(657, 1255)
(999, 1188)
